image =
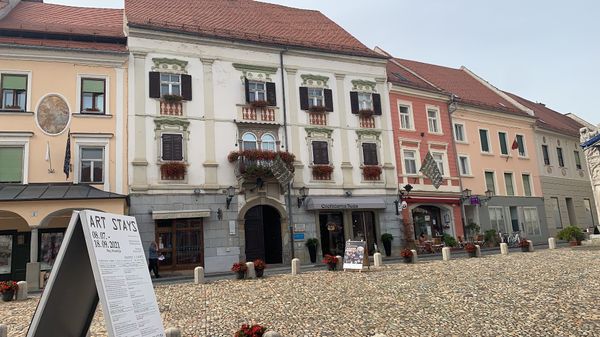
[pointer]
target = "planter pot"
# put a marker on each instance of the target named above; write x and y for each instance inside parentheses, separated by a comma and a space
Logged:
(259, 272)
(472, 254)
(407, 259)
(8, 296)
(331, 266)
(312, 251)
(387, 245)
(240, 275)
(574, 243)
(525, 248)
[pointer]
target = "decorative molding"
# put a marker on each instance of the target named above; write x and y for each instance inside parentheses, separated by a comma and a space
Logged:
(170, 65)
(363, 85)
(170, 121)
(207, 61)
(314, 80)
(256, 73)
(16, 134)
(139, 54)
(291, 71)
(312, 132)
(339, 76)
(368, 134)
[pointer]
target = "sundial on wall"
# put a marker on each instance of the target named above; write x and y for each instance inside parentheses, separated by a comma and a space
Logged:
(53, 114)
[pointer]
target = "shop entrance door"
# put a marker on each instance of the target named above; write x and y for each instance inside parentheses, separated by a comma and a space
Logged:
(332, 233)
(181, 242)
(364, 222)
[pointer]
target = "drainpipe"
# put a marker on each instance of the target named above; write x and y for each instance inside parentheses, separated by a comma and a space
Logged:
(462, 201)
(285, 142)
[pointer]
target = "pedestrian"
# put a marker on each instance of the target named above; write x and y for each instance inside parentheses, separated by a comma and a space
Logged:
(153, 259)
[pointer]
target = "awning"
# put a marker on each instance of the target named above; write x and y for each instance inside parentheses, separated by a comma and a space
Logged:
(188, 214)
(344, 203)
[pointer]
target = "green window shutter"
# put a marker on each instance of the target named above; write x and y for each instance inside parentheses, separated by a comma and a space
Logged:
(11, 164)
(17, 82)
(96, 86)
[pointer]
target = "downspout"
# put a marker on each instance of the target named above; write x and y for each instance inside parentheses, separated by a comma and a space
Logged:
(285, 142)
(462, 201)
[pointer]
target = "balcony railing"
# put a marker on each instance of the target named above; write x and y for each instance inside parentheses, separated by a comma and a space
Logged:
(367, 122)
(247, 113)
(171, 108)
(317, 118)
(259, 163)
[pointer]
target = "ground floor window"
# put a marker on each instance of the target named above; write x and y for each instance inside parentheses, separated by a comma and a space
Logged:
(5, 253)
(364, 222)
(181, 243)
(427, 221)
(531, 223)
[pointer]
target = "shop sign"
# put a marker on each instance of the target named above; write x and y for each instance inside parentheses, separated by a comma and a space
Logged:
(298, 236)
(339, 206)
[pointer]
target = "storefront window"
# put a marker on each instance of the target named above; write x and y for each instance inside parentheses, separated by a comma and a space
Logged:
(49, 247)
(364, 222)
(5, 254)
(180, 241)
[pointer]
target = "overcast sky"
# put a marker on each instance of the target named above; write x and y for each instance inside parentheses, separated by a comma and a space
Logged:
(545, 51)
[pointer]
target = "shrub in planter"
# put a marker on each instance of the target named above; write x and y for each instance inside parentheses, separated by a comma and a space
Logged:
(573, 234)
(312, 245)
(331, 261)
(449, 240)
(387, 238)
(259, 267)
(259, 104)
(173, 170)
(407, 255)
(172, 98)
(471, 249)
(524, 244)
(491, 237)
(255, 330)
(240, 269)
(8, 290)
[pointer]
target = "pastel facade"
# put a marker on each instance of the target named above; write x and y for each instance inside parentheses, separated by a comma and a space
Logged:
(52, 86)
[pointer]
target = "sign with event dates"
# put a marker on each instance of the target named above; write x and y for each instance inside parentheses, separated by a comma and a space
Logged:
(101, 259)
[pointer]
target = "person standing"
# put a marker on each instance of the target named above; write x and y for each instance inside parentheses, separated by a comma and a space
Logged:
(153, 259)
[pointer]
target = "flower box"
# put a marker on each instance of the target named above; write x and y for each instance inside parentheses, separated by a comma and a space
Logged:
(259, 104)
(372, 172)
(173, 171)
(172, 98)
(366, 112)
(322, 172)
(317, 108)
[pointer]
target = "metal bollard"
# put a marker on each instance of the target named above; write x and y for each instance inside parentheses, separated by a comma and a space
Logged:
(477, 251)
(3, 330)
(530, 245)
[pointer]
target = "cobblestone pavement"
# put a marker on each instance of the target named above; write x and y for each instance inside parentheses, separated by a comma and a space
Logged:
(544, 293)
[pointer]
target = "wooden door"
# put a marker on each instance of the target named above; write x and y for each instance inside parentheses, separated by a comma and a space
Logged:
(254, 231)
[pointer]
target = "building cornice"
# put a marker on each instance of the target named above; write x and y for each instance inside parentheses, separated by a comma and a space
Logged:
(418, 92)
(48, 54)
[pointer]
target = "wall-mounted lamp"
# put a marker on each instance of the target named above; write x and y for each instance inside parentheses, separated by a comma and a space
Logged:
(402, 194)
(348, 194)
(219, 214)
(303, 194)
(230, 194)
(488, 195)
(466, 194)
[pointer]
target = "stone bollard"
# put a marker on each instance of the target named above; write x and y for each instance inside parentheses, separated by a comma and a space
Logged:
(446, 253)
(3, 330)
(173, 332)
(22, 292)
(504, 248)
(251, 273)
(551, 243)
(295, 266)
(340, 263)
(377, 260)
(198, 275)
(530, 245)
(415, 257)
(477, 251)
(272, 334)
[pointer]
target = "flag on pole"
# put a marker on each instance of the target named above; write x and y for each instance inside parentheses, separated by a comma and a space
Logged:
(430, 170)
(515, 144)
(47, 151)
(67, 164)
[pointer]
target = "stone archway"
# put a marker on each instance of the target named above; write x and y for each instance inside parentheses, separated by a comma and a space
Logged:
(15, 239)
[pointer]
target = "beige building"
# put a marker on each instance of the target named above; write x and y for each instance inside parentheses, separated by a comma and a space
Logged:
(58, 89)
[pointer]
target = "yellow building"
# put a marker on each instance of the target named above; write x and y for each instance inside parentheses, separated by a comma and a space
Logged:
(63, 84)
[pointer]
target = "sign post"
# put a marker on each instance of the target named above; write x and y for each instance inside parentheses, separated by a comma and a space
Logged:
(101, 259)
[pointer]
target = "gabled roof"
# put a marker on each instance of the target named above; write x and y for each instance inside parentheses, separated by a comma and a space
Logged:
(459, 82)
(246, 20)
(400, 76)
(550, 119)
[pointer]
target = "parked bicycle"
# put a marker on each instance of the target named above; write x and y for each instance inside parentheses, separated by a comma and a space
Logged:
(512, 240)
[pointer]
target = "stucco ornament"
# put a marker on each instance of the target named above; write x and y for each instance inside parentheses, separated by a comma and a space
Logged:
(255, 73)
(592, 154)
(167, 65)
(53, 114)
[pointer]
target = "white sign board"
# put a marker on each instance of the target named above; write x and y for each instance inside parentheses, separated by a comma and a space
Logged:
(114, 257)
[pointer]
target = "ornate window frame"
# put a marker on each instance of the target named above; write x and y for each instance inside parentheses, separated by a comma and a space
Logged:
(319, 134)
(168, 65)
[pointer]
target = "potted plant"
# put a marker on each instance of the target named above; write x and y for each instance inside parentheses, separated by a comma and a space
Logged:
(172, 98)
(173, 170)
(247, 330)
(259, 104)
(449, 240)
(524, 244)
(387, 238)
(471, 249)
(365, 112)
(573, 234)
(8, 290)
(312, 245)
(407, 255)
(331, 262)
(259, 267)
(240, 269)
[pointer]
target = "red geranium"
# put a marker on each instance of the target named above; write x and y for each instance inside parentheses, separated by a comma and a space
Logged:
(239, 267)
(6, 286)
(255, 330)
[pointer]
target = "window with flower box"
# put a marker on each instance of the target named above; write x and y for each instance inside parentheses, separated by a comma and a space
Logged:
(260, 93)
(365, 103)
(321, 168)
(170, 86)
(14, 92)
(371, 169)
(172, 147)
(316, 99)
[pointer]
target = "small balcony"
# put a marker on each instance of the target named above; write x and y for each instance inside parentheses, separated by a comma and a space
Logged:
(251, 164)
(264, 115)
(317, 118)
(367, 122)
(171, 108)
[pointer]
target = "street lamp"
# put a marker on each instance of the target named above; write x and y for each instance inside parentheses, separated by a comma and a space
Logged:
(466, 193)
(402, 194)
(303, 194)
(230, 194)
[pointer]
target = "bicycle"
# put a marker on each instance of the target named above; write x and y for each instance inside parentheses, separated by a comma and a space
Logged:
(513, 239)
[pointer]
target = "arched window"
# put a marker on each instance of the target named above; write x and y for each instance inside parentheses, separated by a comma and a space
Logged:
(267, 142)
(249, 141)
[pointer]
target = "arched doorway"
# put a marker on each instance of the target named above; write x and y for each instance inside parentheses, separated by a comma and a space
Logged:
(262, 225)
(15, 241)
(427, 219)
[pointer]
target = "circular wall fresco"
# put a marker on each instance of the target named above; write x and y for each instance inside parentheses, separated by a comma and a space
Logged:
(53, 114)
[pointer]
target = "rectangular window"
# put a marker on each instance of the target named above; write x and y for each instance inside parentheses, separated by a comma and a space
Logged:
(257, 91)
(526, 184)
(545, 154)
(405, 117)
(464, 165)
(485, 141)
(439, 160)
(503, 143)
(172, 147)
(561, 160)
(577, 160)
(588, 211)
(433, 121)
(489, 182)
(556, 212)
(320, 150)
(521, 146)
(14, 92)
(508, 182)
(91, 165)
(459, 132)
(410, 162)
(370, 154)
(365, 101)
(93, 95)
(315, 97)
(170, 84)
(497, 219)
(531, 223)
(11, 164)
